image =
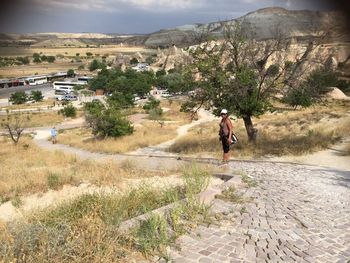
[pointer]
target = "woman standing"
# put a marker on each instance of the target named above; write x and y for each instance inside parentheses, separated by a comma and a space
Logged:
(225, 134)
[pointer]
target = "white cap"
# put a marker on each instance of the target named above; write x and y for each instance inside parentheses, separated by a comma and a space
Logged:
(223, 111)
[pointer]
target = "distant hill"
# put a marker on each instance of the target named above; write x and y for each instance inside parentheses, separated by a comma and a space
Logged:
(302, 25)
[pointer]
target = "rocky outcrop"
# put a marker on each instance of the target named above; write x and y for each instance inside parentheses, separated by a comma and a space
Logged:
(302, 25)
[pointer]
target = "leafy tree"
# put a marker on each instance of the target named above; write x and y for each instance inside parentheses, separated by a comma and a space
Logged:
(320, 81)
(68, 111)
(298, 97)
(89, 54)
(19, 97)
(106, 121)
(43, 58)
(237, 74)
(51, 59)
(173, 82)
(36, 95)
(95, 64)
(150, 59)
(37, 60)
(23, 60)
(160, 73)
(120, 100)
(70, 73)
(134, 61)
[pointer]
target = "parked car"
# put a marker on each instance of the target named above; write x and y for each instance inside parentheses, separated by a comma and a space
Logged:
(68, 97)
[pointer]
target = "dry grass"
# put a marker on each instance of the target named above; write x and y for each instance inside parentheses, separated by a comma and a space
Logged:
(174, 114)
(60, 64)
(150, 133)
(37, 105)
(280, 133)
(86, 229)
(71, 51)
(25, 169)
(37, 119)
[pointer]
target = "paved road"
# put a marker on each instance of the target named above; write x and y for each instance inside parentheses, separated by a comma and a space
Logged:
(6, 92)
(295, 214)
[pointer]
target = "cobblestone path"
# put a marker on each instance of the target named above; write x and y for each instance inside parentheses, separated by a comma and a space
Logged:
(295, 213)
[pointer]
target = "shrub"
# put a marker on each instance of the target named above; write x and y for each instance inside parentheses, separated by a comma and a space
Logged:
(70, 73)
(19, 97)
(51, 59)
(23, 60)
(36, 95)
(95, 64)
(106, 122)
(112, 124)
(134, 61)
(68, 111)
(298, 97)
(89, 54)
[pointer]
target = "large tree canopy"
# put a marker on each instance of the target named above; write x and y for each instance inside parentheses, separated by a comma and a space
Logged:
(242, 75)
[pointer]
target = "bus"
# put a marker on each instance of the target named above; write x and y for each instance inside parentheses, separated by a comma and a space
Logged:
(36, 80)
(66, 87)
(85, 79)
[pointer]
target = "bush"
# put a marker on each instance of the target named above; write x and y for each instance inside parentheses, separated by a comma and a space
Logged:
(95, 64)
(36, 95)
(89, 54)
(70, 73)
(298, 97)
(106, 122)
(19, 97)
(319, 82)
(112, 124)
(134, 61)
(23, 60)
(151, 104)
(68, 111)
(51, 59)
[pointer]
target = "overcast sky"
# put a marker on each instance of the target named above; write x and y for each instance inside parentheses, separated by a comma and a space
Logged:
(129, 16)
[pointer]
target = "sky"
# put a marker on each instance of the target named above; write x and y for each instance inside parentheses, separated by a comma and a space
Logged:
(131, 16)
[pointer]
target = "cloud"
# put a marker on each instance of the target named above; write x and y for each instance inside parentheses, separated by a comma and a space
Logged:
(120, 5)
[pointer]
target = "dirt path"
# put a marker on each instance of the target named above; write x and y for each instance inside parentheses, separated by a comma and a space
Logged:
(204, 116)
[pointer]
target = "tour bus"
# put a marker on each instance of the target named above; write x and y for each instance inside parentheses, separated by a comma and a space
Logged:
(66, 87)
(36, 80)
(84, 79)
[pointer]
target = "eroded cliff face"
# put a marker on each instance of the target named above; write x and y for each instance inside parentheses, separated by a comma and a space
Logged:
(265, 23)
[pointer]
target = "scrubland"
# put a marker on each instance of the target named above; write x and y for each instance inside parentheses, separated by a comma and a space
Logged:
(282, 132)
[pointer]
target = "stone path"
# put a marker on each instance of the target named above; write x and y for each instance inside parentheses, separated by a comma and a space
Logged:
(295, 214)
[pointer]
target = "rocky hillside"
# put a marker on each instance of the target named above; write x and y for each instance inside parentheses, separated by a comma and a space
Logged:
(299, 24)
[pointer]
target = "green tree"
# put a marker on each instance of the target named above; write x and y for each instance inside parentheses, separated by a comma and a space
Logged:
(236, 74)
(51, 59)
(89, 54)
(134, 61)
(19, 97)
(68, 111)
(23, 60)
(70, 73)
(95, 64)
(106, 121)
(36, 95)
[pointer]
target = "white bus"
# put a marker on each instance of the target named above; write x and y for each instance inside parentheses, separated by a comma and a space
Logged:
(36, 80)
(65, 86)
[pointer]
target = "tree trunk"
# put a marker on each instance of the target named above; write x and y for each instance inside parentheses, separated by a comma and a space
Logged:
(251, 131)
